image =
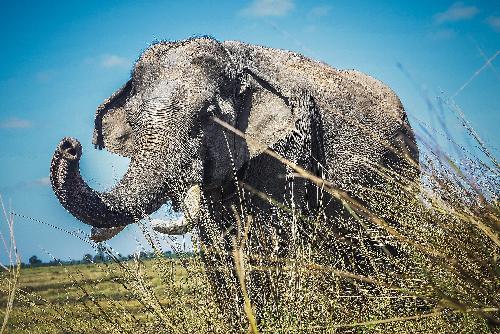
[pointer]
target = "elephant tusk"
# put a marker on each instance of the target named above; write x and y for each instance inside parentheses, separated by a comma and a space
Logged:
(191, 209)
(170, 227)
(191, 205)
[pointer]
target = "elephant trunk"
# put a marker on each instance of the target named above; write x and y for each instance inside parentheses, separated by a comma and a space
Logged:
(136, 195)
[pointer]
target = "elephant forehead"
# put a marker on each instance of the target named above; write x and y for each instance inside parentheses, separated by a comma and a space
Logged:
(174, 58)
(169, 60)
(161, 90)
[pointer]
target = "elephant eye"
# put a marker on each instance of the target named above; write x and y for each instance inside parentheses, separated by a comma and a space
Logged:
(122, 136)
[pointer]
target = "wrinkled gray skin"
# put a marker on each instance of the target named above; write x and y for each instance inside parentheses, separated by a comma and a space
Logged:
(328, 121)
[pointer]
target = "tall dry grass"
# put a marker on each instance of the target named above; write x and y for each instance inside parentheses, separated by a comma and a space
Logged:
(12, 269)
(420, 256)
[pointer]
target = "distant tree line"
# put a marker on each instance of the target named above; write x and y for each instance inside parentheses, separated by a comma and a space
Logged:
(34, 261)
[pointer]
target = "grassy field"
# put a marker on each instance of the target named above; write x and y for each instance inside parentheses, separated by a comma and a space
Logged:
(106, 297)
(172, 295)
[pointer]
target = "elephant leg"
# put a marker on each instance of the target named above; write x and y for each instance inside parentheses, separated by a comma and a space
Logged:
(267, 250)
(216, 235)
(220, 269)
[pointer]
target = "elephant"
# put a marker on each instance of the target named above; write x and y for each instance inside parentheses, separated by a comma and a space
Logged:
(336, 124)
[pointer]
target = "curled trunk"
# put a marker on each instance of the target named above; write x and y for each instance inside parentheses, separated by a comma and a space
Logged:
(139, 193)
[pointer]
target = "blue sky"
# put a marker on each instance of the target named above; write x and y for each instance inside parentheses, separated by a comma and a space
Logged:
(61, 59)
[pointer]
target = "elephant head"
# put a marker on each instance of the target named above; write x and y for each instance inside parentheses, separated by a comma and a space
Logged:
(160, 119)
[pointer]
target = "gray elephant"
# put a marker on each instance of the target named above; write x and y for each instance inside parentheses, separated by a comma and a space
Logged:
(337, 124)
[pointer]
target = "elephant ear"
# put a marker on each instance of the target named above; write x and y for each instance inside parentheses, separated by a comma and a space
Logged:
(258, 110)
(111, 129)
(269, 117)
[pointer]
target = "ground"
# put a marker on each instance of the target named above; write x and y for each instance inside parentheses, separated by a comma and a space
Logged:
(172, 295)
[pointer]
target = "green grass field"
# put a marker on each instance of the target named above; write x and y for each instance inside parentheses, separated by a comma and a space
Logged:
(103, 297)
(171, 295)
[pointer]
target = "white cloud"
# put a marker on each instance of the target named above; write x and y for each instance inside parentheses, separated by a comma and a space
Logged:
(494, 22)
(268, 8)
(443, 34)
(15, 123)
(456, 12)
(319, 11)
(110, 60)
(43, 181)
(28, 184)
